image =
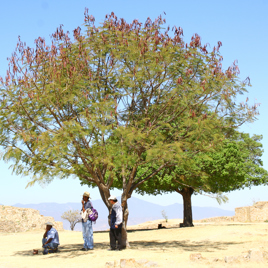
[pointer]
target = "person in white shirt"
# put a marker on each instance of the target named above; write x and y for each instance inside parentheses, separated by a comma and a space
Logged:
(87, 229)
(116, 224)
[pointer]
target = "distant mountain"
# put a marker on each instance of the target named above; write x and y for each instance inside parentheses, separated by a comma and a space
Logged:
(139, 212)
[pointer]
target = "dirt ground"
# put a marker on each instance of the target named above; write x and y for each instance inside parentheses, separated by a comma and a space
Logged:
(168, 247)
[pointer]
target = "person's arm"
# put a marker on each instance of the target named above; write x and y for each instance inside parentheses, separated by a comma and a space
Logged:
(86, 205)
(83, 205)
(45, 234)
(118, 219)
(48, 241)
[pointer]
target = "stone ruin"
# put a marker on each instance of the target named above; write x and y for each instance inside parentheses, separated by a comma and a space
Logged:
(130, 263)
(253, 255)
(255, 213)
(14, 219)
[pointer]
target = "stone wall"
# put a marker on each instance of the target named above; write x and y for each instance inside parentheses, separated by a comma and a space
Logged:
(256, 213)
(218, 219)
(13, 219)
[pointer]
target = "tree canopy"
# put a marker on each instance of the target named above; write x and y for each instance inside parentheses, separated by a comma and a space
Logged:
(234, 164)
(112, 99)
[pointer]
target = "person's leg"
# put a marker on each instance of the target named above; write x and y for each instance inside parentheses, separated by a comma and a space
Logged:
(118, 235)
(53, 247)
(84, 230)
(90, 240)
(45, 251)
(112, 239)
(44, 240)
(88, 235)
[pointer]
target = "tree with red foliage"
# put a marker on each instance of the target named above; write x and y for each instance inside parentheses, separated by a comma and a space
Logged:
(112, 99)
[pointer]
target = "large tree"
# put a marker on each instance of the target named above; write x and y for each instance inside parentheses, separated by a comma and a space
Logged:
(107, 101)
(234, 164)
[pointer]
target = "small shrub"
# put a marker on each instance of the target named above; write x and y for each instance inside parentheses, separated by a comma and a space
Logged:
(164, 215)
(73, 217)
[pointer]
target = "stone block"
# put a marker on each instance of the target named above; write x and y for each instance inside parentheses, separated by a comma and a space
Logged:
(117, 264)
(150, 264)
(196, 256)
(265, 255)
(109, 264)
(255, 255)
(231, 259)
(141, 261)
(132, 263)
(128, 263)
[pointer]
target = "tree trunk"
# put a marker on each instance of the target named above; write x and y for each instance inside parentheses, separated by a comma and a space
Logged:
(105, 193)
(187, 206)
(72, 226)
(125, 242)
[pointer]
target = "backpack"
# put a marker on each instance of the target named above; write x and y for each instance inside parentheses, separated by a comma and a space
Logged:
(93, 214)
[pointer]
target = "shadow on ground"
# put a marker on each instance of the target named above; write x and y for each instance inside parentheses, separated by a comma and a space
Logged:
(74, 250)
(183, 245)
(70, 250)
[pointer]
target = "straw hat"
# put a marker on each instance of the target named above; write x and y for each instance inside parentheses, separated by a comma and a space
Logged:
(49, 223)
(86, 194)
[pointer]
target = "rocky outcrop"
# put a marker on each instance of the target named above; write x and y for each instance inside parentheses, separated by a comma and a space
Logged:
(14, 219)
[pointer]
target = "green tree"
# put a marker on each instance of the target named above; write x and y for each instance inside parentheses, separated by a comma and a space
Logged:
(233, 165)
(108, 101)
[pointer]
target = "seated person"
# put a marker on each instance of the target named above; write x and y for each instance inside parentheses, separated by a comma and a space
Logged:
(50, 239)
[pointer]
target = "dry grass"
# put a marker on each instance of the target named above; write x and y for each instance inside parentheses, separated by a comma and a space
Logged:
(169, 247)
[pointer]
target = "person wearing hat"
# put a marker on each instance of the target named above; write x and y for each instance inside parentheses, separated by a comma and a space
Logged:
(87, 229)
(50, 241)
(116, 224)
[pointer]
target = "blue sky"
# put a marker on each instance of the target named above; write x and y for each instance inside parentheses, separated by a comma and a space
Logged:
(241, 26)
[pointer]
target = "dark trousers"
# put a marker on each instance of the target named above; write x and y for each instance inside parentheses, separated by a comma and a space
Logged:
(116, 234)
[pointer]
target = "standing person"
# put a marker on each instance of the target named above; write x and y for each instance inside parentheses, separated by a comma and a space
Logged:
(50, 241)
(116, 224)
(87, 229)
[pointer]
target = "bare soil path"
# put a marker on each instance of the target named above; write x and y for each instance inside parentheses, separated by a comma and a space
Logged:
(168, 247)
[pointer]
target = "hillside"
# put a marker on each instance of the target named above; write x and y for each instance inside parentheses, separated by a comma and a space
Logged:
(140, 211)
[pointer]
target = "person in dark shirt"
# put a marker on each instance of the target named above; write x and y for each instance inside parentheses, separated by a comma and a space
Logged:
(116, 224)
(87, 229)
